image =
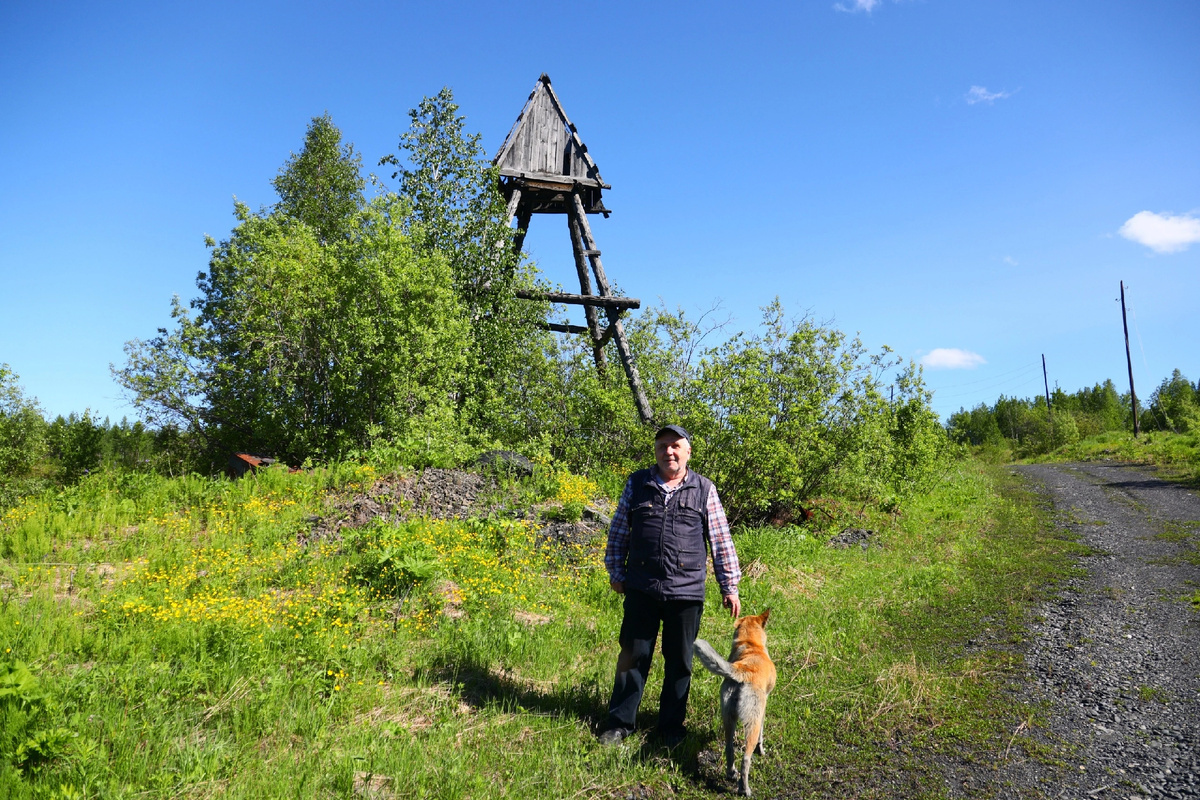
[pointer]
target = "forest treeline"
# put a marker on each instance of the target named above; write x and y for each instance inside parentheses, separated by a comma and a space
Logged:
(377, 318)
(1027, 428)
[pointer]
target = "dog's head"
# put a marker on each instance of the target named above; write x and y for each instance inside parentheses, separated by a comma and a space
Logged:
(757, 621)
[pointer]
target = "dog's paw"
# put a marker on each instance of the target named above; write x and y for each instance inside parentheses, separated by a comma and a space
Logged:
(732, 774)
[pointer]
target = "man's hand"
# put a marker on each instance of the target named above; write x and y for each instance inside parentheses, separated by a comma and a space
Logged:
(734, 604)
(617, 586)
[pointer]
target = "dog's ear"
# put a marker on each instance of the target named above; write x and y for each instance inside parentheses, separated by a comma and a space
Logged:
(763, 617)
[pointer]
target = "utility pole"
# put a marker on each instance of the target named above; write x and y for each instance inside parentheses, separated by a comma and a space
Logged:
(1046, 381)
(1137, 427)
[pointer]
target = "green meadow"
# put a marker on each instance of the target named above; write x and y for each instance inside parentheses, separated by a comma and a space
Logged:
(182, 638)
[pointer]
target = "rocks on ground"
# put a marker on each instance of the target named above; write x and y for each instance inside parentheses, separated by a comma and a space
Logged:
(853, 537)
(445, 494)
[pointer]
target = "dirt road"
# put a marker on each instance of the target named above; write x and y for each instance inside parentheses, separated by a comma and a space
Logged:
(1116, 656)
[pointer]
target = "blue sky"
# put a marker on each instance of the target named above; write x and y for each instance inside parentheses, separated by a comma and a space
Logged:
(966, 181)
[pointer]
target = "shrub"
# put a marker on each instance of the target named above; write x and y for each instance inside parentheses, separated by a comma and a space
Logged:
(22, 439)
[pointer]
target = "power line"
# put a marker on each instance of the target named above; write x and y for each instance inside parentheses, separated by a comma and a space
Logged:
(997, 376)
(1029, 382)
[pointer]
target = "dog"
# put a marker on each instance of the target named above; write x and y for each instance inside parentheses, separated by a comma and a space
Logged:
(749, 677)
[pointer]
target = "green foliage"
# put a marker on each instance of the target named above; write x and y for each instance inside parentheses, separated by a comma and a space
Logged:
(205, 649)
(25, 744)
(453, 191)
(308, 349)
(322, 186)
(779, 417)
(390, 569)
(391, 330)
(976, 427)
(797, 411)
(330, 324)
(77, 444)
(1174, 406)
(571, 511)
(22, 439)
(1024, 427)
(22, 429)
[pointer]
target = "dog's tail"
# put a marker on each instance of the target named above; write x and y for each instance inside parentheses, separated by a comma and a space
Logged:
(713, 662)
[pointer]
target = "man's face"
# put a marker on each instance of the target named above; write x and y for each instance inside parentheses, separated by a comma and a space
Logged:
(672, 453)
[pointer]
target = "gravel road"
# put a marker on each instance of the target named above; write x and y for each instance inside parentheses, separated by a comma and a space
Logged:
(1115, 657)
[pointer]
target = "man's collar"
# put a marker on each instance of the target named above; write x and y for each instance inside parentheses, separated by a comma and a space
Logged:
(657, 474)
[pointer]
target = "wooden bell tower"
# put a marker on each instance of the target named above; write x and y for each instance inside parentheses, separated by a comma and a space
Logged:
(545, 169)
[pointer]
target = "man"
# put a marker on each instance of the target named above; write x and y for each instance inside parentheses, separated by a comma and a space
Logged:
(656, 559)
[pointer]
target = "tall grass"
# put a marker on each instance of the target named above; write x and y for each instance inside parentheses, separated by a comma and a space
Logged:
(188, 644)
(1177, 453)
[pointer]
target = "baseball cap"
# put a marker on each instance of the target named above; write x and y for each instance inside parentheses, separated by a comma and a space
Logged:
(675, 429)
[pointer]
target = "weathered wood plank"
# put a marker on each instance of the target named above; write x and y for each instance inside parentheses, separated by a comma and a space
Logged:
(558, 327)
(631, 373)
(606, 336)
(589, 242)
(514, 202)
(523, 217)
(585, 287)
(609, 302)
(551, 180)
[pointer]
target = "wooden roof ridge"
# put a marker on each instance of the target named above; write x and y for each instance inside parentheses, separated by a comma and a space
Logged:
(524, 119)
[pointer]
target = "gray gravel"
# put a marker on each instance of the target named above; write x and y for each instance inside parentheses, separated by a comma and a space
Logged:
(1113, 663)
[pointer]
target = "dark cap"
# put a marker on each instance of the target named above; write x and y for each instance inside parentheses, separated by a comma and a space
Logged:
(675, 429)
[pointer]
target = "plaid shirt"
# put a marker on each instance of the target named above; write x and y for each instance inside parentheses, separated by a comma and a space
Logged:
(725, 560)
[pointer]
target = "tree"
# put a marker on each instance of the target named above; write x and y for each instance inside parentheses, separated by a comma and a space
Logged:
(312, 334)
(322, 186)
(76, 443)
(788, 413)
(455, 199)
(22, 428)
(1174, 405)
(22, 439)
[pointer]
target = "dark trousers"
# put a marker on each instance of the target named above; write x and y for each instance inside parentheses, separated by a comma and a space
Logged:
(680, 620)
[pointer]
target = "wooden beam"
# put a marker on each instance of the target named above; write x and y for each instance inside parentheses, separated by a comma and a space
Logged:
(604, 337)
(551, 180)
(589, 243)
(614, 317)
(558, 327)
(514, 202)
(609, 302)
(523, 217)
(585, 287)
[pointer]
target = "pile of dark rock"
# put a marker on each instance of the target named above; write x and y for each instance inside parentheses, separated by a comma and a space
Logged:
(586, 533)
(432, 493)
(449, 494)
(853, 537)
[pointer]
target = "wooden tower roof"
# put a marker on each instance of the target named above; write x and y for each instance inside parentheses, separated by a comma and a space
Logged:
(543, 147)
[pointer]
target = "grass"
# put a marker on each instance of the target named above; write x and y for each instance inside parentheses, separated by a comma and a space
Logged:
(1177, 454)
(184, 644)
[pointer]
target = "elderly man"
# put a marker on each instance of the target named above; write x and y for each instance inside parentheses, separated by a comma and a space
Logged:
(656, 559)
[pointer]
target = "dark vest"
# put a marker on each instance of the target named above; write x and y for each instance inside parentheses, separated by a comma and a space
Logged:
(667, 557)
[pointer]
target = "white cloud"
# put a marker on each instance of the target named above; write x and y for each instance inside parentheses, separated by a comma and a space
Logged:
(980, 94)
(857, 5)
(952, 358)
(1012, 262)
(1162, 233)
